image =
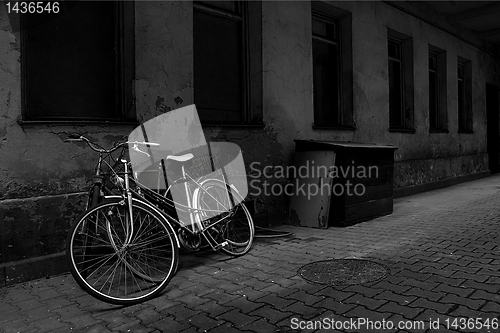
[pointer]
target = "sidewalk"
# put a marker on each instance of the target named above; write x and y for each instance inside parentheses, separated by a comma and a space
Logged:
(442, 249)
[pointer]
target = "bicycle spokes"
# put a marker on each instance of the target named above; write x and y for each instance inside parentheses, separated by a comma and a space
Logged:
(117, 266)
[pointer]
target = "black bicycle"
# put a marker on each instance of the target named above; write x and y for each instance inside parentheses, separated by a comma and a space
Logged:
(124, 249)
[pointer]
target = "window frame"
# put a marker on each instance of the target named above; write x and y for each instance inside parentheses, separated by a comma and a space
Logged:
(406, 109)
(124, 59)
(343, 25)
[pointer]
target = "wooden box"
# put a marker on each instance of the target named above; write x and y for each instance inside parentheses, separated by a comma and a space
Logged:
(361, 181)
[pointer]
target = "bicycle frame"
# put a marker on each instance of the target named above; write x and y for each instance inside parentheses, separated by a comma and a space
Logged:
(168, 204)
(151, 197)
(165, 204)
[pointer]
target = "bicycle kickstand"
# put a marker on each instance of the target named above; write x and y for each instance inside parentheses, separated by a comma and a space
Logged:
(213, 243)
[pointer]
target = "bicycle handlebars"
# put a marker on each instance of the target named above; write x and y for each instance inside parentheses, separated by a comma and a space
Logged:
(99, 149)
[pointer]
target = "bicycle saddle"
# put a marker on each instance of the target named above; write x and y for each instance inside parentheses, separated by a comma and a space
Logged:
(180, 158)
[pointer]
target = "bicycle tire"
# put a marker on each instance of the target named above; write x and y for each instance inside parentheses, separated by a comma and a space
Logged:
(111, 270)
(236, 229)
(134, 270)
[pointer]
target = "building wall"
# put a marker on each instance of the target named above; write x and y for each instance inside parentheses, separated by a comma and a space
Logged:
(421, 157)
(43, 179)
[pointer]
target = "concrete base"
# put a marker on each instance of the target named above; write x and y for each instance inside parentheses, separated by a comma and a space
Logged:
(410, 190)
(33, 268)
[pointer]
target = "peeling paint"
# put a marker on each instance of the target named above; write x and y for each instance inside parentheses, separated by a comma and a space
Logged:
(321, 218)
(294, 217)
(178, 100)
(14, 46)
(160, 105)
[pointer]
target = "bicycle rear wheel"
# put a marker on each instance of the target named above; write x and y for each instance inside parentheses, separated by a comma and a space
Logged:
(118, 268)
(234, 225)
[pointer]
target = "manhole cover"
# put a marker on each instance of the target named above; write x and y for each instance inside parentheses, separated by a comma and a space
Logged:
(337, 272)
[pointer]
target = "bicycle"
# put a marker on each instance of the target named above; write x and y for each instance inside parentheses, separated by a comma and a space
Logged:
(124, 249)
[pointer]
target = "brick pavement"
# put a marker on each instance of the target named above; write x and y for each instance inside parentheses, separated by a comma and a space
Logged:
(442, 249)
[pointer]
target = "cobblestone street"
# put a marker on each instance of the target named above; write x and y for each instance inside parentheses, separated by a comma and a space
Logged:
(442, 249)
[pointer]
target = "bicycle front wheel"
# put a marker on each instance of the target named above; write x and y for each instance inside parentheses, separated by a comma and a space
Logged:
(234, 225)
(120, 260)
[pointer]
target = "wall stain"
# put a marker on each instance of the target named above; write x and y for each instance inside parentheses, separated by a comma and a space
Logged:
(160, 105)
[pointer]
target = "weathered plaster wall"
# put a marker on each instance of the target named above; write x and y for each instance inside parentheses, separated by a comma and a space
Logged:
(287, 61)
(164, 57)
(42, 179)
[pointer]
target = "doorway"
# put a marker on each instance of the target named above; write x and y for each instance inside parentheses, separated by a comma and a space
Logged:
(493, 127)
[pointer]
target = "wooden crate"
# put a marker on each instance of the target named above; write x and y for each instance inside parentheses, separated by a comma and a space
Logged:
(361, 180)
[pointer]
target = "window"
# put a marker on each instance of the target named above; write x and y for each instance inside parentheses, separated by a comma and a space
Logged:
(326, 78)
(464, 77)
(227, 53)
(438, 117)
(78, 64)
(332, 67)
(400, 54)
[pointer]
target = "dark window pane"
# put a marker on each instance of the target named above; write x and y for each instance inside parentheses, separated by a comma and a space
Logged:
(433, 109)
(326, 84)
(395, 94)
(70, 63)
(394, 50)
(432, 62)
(217, 67)
(461, 100)
(324, 29)
(230, 6)
(465, 96)
(460, 71)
